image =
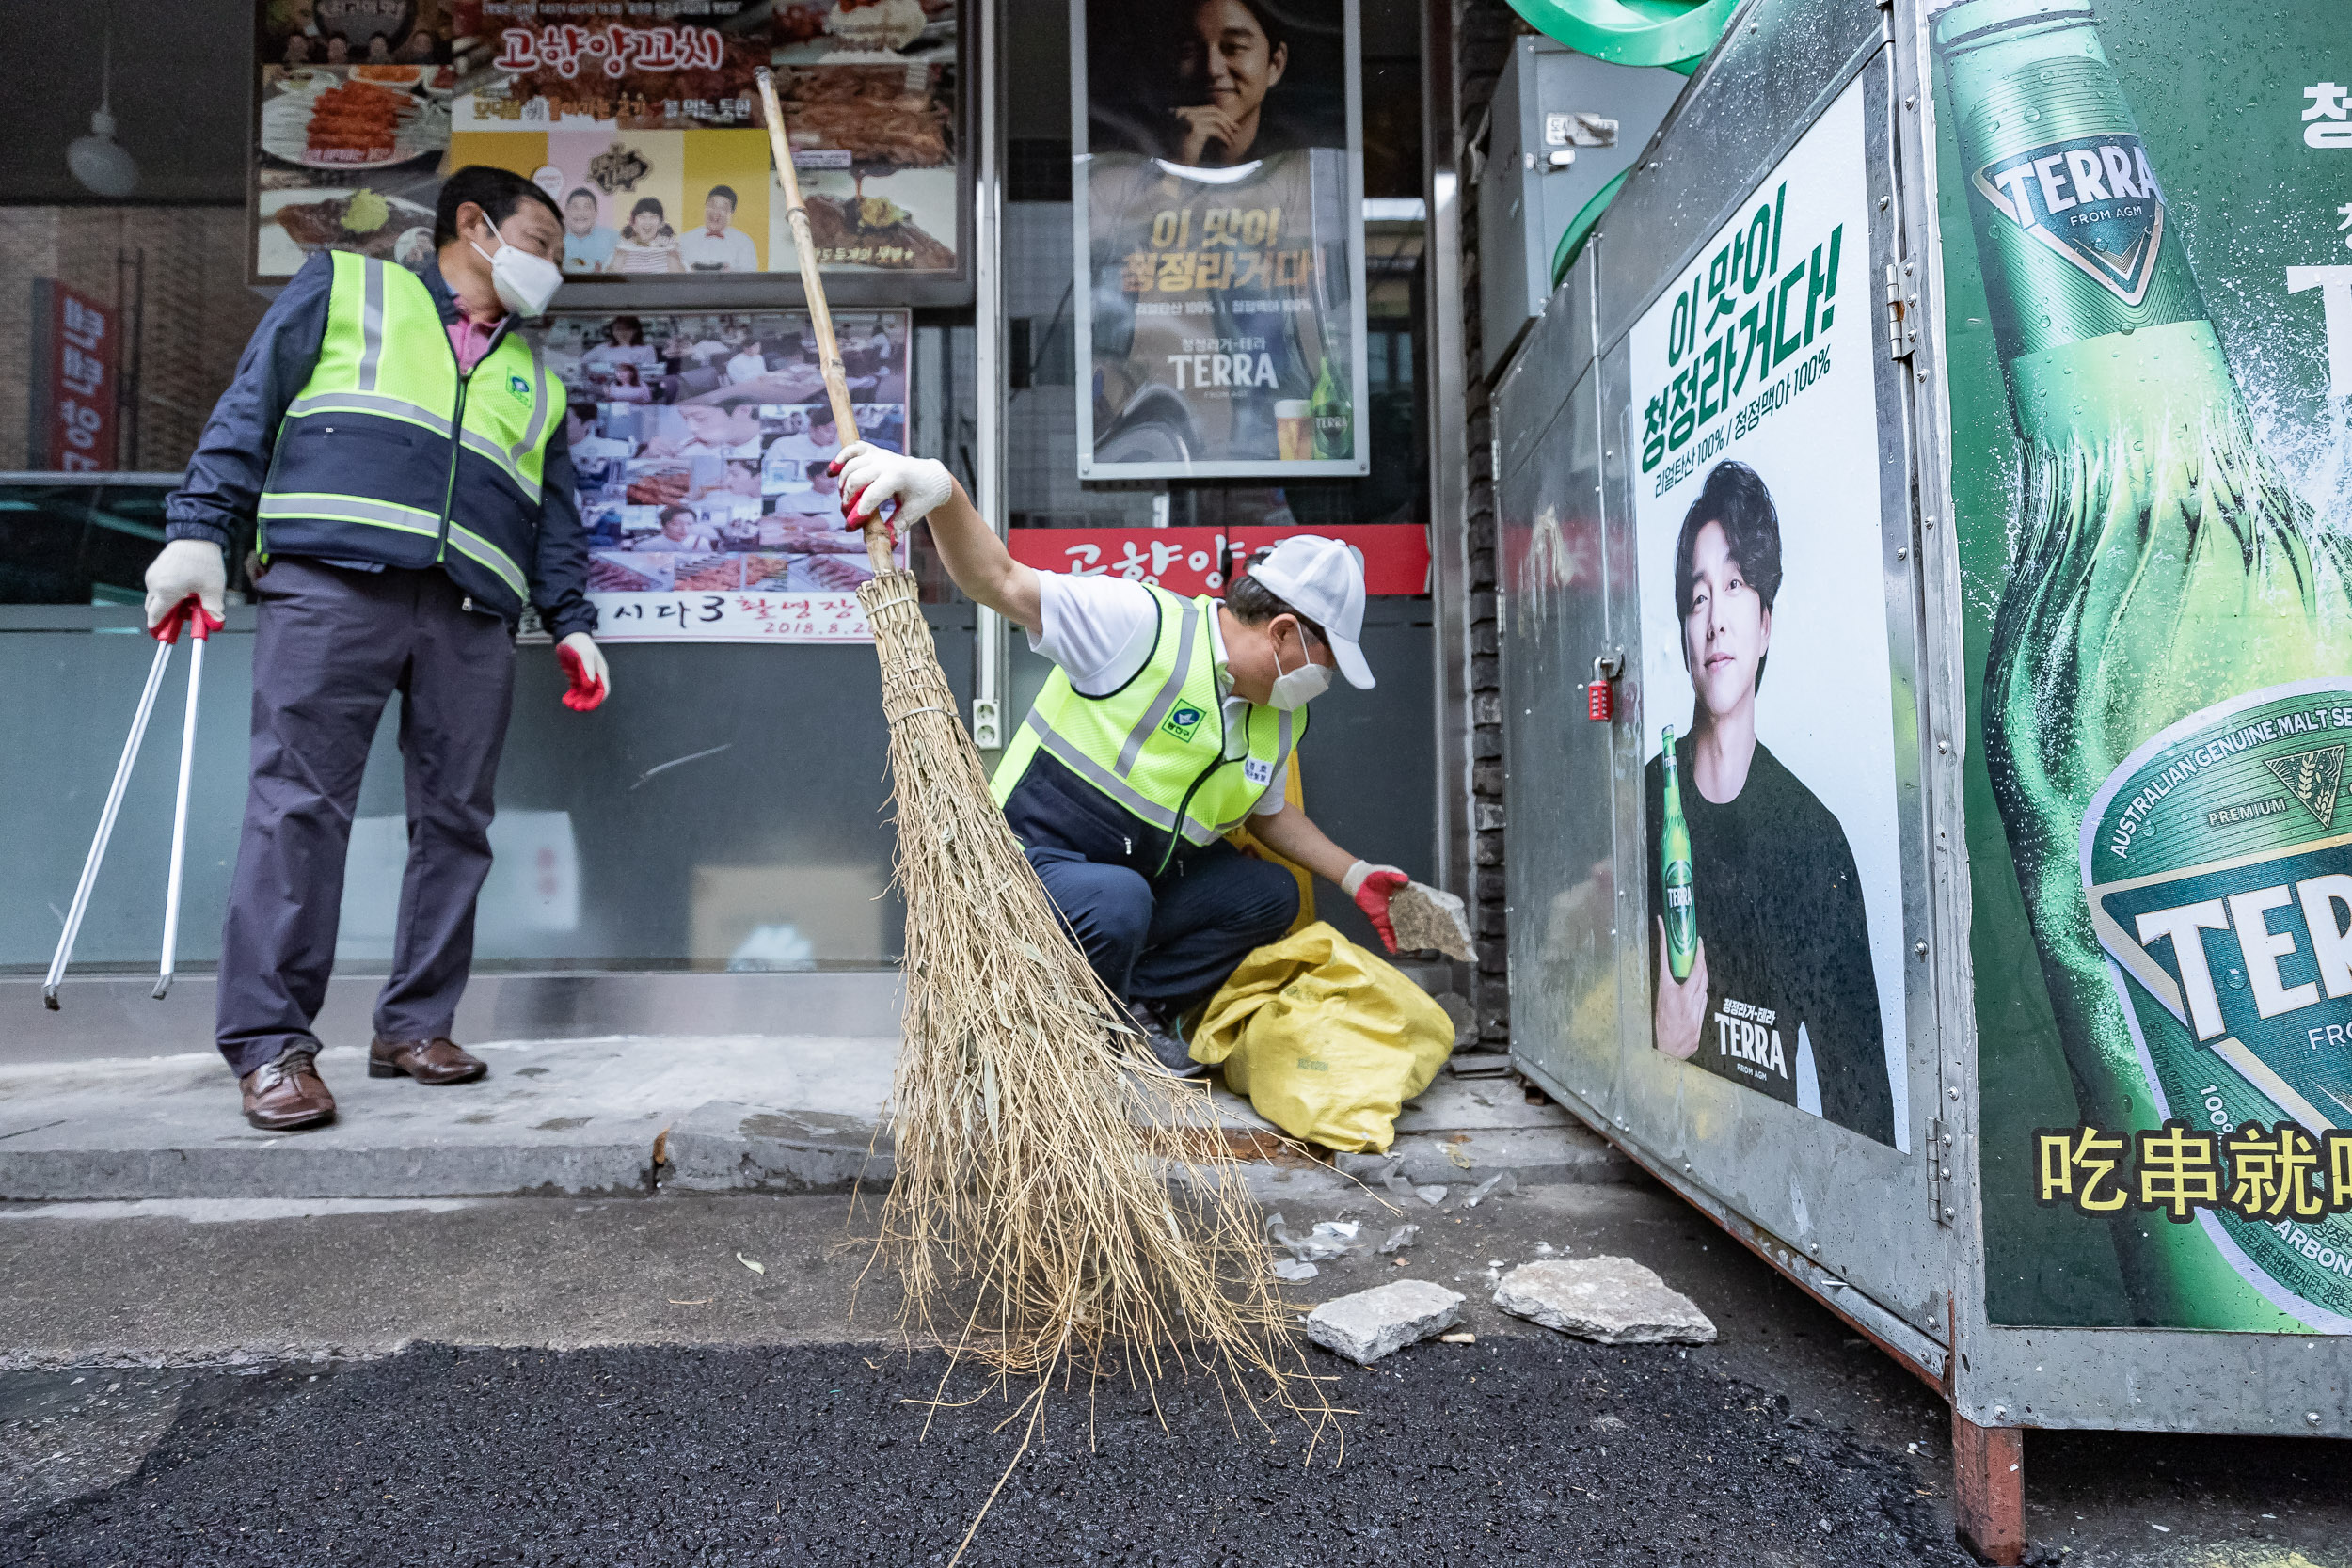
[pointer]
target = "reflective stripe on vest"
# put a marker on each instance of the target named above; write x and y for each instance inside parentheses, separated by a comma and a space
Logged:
(1188, 786)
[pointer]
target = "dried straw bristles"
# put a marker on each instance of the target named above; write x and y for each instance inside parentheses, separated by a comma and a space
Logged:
(1050, 1211)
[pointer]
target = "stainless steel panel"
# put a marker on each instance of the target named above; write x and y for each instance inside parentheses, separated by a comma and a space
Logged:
(1844, 1203)
(1525, 204)
(1554, 566)
(1557, 348)
(1778, 66)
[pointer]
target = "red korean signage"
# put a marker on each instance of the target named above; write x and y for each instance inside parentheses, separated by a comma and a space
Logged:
(1190, 561)
(74, 365)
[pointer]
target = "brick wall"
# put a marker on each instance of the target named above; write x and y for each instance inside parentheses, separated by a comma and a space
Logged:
(197, 311)
(1482, 30)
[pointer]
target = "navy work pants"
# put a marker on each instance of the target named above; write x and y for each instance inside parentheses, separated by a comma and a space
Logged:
(332, 645)
(1173, 939)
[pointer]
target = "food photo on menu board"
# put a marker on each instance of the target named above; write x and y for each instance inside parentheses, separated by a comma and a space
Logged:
(1217, 213)
(812, 32)
(642, 123)
(875, 147)
(702, 445)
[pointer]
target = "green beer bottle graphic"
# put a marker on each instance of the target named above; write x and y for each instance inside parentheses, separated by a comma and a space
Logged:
(1335, 427)
(1674, 855)
(2167, 696)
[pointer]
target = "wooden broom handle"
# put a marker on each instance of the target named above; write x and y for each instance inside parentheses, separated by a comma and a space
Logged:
(878, 548)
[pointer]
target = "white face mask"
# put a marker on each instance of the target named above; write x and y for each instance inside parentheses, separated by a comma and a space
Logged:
(1295, 689)
(524, 282)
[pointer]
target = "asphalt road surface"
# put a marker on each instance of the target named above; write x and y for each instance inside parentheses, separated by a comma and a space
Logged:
(1520, 1450)
(256, 1386)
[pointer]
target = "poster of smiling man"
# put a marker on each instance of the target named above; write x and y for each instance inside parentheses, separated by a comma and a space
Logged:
(1218, 199)
(1767, 706)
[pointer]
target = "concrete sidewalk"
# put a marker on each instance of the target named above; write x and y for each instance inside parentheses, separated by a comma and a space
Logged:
(625, 1115)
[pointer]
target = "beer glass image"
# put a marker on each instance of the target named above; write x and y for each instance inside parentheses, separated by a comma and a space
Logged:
(2165, 705)
(1776, 988)
(1294, 429)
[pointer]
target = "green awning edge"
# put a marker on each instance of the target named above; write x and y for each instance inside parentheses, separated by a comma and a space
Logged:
(1580, 227)
(1621, 34)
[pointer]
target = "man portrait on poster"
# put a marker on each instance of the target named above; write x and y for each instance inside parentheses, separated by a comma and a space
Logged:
(1782, 996)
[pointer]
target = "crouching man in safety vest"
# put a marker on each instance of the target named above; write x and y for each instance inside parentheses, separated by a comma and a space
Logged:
(1167, 722)
(398, 450)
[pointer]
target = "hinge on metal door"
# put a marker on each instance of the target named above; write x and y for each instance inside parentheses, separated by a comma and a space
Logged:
(1940, 1187)
(1902, 310)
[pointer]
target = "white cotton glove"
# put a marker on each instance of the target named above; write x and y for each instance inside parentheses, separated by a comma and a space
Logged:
(871, 476)
(584, 668)
(184, 567)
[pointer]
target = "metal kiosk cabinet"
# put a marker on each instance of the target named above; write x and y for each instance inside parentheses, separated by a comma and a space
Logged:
(1957, 907)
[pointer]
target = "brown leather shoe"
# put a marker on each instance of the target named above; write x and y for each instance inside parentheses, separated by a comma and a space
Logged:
(439, 1060)
(286, 1094)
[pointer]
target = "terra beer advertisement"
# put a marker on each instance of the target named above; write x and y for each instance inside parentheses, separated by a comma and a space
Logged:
(1767, 704)
(2149, 460)
(1219, 244)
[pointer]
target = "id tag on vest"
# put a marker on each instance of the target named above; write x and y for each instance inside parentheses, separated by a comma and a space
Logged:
(1257, 770)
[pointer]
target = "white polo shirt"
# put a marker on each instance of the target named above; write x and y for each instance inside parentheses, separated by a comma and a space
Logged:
(1100, 631)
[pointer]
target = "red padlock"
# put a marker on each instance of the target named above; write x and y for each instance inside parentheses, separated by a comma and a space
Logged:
(1600, 702)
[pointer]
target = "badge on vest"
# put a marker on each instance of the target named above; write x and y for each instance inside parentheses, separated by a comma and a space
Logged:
(518, 386)
(1257, 770)
(1182, 720)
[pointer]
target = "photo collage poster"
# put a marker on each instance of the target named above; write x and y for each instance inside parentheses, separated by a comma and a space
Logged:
(702, 445)
(641, 122)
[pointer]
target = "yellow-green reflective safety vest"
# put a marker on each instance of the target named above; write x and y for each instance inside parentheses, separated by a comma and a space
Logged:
(1156, 746)
(389, 454)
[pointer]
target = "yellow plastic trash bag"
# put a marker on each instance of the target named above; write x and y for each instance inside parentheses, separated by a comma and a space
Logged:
(1327, 1040)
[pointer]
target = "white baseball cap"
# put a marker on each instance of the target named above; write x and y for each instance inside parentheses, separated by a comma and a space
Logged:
(1324, 580)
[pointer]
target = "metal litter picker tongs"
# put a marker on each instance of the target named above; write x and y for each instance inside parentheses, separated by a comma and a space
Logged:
(189, 614)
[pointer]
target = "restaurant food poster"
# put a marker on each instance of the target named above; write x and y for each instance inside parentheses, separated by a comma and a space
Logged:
(1219, 238)
(702, 445)
(2146, 330)
(639, 118)
(1775, 889)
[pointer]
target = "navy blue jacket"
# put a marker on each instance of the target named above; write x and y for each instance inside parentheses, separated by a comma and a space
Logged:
(225, 478)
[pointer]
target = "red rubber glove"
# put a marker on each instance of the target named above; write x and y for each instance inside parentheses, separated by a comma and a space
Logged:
(188, 615)
(1371, 887)
(584, 668)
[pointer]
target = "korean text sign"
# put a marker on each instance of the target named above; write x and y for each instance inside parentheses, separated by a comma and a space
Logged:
(74, 391)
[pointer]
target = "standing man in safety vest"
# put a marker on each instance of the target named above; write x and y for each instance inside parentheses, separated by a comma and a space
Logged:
(1167, 722)
(397, 447)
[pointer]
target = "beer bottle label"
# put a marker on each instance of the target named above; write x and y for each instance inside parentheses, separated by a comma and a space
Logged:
(2217, 867)
(2092, 201)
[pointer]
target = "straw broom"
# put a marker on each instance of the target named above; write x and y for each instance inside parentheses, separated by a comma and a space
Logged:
(1049, 1213)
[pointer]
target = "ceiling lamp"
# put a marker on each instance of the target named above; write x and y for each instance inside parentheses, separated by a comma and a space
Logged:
(97, 160)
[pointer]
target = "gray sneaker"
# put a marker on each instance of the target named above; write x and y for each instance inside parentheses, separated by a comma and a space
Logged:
(1166, 1037)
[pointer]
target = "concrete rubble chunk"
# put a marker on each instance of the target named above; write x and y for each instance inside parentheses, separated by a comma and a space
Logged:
(1369, 1324)
(1616, 1301)
(1425, 917)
